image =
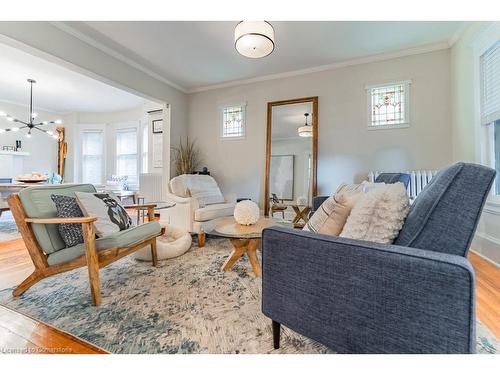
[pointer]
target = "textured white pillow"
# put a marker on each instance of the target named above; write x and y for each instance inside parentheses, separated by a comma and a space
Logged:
(378, 215)
(205, 189)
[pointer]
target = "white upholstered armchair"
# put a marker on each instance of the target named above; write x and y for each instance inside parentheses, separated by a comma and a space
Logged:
(199, 202)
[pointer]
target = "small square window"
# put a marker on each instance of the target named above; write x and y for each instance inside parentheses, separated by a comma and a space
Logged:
(233, 122)
(388, 105)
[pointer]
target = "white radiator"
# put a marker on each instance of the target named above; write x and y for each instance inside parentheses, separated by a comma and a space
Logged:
(151, 187)
(418, 180)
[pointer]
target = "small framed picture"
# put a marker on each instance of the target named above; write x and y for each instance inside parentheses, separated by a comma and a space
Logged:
(157, 126)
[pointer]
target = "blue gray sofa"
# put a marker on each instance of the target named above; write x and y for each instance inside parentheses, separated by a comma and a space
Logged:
(415, 296)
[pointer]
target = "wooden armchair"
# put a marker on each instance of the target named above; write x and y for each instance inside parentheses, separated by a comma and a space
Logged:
(35, 216)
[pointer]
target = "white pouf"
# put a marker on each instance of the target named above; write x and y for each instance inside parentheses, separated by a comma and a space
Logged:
(246, 212)
(173, 243)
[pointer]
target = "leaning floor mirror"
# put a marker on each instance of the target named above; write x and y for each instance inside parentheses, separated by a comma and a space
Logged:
(291, 159)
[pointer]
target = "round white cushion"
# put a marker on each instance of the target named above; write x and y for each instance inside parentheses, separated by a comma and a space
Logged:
(173, 243)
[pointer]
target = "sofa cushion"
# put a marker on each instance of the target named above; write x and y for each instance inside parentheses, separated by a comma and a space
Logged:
(111, 216)
(214, 211)
(119, 239)
(445, 214)
(392, 178)
(37, 204)
(71, 234)
(378, 215)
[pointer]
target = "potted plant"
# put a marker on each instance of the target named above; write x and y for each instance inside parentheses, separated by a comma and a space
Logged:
(186, 157)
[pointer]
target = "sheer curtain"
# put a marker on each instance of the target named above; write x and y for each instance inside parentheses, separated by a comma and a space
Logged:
(126, 154)
(92, 156)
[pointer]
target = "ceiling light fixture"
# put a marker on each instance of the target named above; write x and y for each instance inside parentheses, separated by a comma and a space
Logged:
(306, 130)
(254, 39)
(30, 125)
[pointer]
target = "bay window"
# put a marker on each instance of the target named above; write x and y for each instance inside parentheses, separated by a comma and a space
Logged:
(126, 154)
(490, 107)
(92, 156)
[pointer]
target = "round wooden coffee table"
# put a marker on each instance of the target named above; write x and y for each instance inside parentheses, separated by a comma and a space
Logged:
(245, 240)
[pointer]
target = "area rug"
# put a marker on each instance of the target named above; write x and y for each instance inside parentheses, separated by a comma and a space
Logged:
(8, 228)
(186, 305)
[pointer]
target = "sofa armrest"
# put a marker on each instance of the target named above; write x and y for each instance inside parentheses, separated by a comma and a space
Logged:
(182, 200)
(362, 297)
(61, 220)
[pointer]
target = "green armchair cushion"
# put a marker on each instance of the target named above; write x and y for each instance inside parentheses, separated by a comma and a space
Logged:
(124, 238)
(38, 204)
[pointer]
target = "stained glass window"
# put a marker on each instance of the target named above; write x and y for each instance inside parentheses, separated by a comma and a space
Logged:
(233, 122)
(389, 105)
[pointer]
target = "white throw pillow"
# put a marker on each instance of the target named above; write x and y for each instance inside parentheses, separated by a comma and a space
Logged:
(378, 215)
(205, 189)
(111, 216)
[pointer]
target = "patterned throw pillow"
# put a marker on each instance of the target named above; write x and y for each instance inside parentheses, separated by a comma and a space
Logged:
(111, 216)
(66, 206)
(331, 216)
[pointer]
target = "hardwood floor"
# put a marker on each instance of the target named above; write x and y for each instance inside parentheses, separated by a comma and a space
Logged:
(20, 334)
(487, 292)
(18, 331)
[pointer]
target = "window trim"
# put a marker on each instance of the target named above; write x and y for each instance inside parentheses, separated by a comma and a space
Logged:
(243, 106)
(486, 38)
(407, 112)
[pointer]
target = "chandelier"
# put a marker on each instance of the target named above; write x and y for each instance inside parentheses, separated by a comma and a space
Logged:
(254, 39)
(306, 130)
(30, 125)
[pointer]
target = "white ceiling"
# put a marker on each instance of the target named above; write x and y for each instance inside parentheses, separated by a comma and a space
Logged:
(58, 89)
(194, 55)
(287, 119)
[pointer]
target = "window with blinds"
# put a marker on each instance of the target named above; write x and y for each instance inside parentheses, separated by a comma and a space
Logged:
(92, 156)
(490, 85)
(126, 154)
(144, 149)
(490, 103)
(233, 122)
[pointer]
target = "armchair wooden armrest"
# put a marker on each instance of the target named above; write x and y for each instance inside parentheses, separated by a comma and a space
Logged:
(61, 220)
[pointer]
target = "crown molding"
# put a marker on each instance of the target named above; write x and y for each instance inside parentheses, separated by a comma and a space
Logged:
(117, 55)
(458, 34)
(359, 61)
(364, 60)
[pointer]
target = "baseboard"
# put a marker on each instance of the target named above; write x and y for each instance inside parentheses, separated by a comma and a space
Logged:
(487, 247)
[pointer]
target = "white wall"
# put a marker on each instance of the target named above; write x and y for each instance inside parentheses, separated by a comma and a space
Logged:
(347, 150)
(45, 40)
(42, 148)
(466, 131)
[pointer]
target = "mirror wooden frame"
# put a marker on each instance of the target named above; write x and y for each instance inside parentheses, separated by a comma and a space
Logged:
(314, 124)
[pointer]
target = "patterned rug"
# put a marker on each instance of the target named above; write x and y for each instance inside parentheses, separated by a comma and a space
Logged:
(186, 305)
(8, 228)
